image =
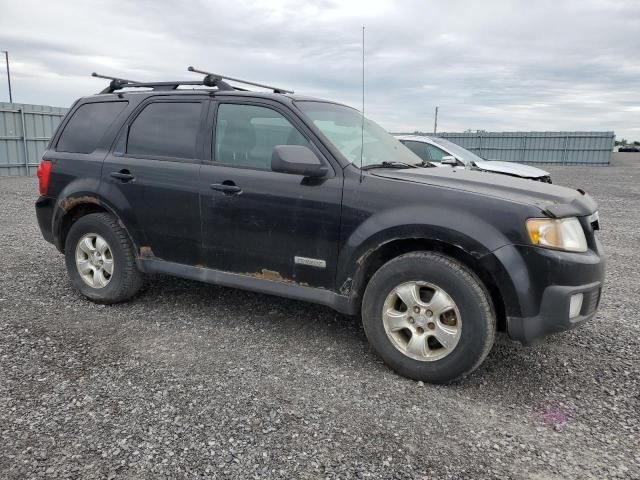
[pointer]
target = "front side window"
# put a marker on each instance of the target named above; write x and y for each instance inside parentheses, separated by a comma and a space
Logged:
(246, 135)
(356, 138)
(166, 129)
(88, 125)
(419, 148)
(436, 153)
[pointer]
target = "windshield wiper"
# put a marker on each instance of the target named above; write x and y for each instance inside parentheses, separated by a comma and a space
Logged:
(389, 165)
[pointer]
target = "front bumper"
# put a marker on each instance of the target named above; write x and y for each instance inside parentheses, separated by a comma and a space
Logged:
(554, 312)
(536, 285)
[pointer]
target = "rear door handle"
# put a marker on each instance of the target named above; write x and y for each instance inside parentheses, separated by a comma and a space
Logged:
(123, 175)
(227, 189)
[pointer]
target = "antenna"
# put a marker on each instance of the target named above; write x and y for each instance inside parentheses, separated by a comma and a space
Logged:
(362, 124)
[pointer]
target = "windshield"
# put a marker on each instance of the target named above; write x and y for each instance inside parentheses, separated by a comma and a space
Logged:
(462, 153)
(343, 127)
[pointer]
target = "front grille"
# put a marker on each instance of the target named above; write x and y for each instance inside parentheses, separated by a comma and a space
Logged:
(590, 302)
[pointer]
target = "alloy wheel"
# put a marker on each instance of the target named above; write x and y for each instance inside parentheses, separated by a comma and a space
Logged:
(94, 260)
(422, 321)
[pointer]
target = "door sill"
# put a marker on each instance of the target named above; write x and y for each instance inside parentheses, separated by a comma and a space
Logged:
(280, 288)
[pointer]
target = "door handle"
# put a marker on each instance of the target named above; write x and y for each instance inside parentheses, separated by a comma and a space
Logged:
(123, 175)
(229, 188)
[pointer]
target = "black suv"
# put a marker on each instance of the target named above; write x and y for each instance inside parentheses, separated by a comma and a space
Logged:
(303, 198)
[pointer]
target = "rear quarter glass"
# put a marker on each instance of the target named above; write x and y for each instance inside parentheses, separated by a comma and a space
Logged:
(87, 126)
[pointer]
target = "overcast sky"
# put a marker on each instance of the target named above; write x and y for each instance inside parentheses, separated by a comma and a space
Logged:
(492, 65)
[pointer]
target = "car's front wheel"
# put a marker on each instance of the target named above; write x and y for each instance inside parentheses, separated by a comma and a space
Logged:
(100, 259)
(429, 317)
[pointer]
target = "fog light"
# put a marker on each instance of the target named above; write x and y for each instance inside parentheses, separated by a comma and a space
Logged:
(575, 305)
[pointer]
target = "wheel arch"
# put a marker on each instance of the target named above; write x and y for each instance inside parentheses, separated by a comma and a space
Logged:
(71, 209)
(374, 258)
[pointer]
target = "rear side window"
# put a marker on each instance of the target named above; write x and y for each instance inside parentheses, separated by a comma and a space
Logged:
(166, 129)
(88, 125)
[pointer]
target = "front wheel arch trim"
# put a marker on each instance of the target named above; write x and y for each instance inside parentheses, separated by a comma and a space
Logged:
(373, 259)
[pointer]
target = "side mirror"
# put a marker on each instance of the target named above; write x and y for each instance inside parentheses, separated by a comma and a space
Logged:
(297, 160)
(449, 160)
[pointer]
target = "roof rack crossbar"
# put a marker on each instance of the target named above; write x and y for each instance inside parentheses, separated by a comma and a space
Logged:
(212, 77)
(114, 84)
(210, 80)
(120, 83)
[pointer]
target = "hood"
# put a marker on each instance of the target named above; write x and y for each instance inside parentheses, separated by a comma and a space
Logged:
(511, 168)
(553, 200)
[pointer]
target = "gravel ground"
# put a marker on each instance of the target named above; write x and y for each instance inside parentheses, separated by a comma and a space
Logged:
(195, 380)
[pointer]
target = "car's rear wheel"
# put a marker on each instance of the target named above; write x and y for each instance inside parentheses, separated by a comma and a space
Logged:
(100, 259)
(429, 317)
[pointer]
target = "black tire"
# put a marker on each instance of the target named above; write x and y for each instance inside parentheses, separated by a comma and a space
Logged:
(478, 320)
(126, 279)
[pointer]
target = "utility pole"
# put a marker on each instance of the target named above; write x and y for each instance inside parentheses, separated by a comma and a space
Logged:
(6, 58)
(435, 122)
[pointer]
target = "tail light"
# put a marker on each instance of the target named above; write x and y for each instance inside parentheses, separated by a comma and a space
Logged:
(44, 173)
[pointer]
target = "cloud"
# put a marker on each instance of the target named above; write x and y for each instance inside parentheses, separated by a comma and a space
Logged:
(492, 65)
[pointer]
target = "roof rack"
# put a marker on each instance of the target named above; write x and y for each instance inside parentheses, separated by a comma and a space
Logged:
(212, 77)
(210, 80)
(114, 84)
(120, 83)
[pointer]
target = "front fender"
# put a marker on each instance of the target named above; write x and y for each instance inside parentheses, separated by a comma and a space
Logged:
(420, 222)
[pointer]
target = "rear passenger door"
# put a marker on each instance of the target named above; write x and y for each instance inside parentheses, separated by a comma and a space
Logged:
(267, 224)
(153, 173)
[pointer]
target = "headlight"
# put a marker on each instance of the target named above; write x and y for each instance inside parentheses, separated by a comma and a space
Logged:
(562, 234)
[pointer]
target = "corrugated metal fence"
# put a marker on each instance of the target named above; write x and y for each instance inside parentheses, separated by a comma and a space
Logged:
(24, 133)
(26, 129)
(562, 148)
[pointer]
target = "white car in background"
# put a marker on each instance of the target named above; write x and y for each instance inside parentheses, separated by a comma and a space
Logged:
(443, 153)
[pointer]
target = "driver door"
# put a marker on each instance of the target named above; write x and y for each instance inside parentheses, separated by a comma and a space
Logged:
(270, 225)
